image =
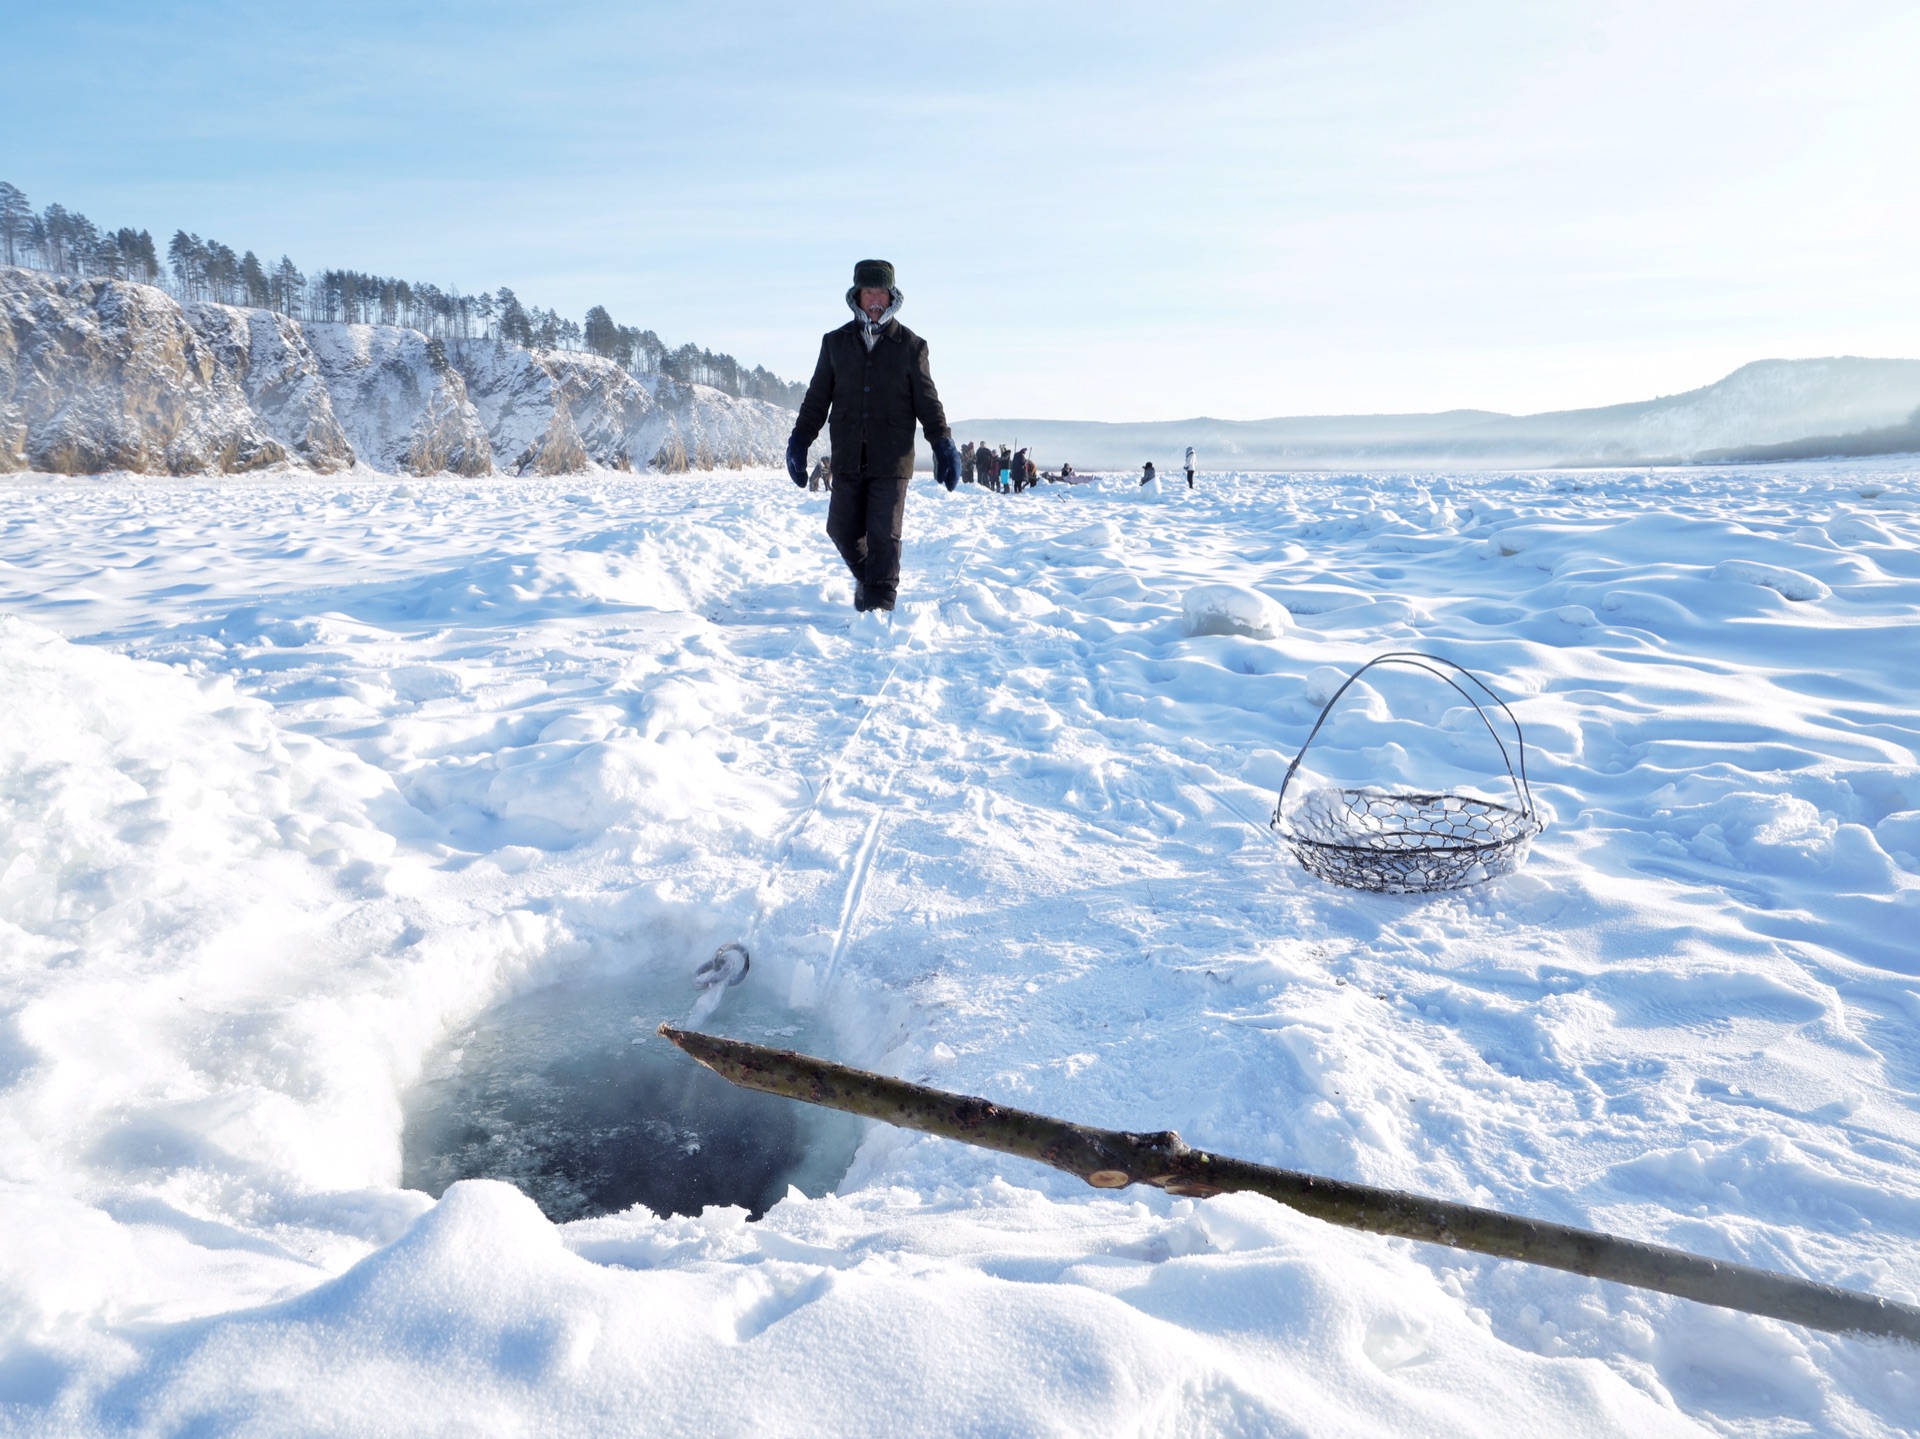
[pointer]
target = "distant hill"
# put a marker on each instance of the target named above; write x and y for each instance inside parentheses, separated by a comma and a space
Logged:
(1903, 439)
(1769, 409)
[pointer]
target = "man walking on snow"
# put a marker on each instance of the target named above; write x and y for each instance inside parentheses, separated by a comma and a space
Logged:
(874, 379)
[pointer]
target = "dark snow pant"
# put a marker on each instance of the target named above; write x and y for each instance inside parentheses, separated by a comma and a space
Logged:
(864, 521)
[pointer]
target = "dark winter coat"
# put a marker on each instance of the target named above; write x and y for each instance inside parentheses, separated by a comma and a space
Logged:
(875, 397)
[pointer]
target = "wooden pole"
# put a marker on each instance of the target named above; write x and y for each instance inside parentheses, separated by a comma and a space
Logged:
(1113, 1159)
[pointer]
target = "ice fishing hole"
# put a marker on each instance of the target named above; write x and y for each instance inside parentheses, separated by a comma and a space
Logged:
(568, 1094)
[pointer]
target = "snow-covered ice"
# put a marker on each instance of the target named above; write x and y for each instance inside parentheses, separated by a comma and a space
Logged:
(1232, 610)
(303, 778)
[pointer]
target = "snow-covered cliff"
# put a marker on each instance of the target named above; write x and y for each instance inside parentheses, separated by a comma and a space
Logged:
(404, 406)
(700, 428)
(544, 408)
(102, 375)
(552, 411)
(106, 375)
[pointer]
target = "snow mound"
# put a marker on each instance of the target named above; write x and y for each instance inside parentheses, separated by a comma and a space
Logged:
(1845, 529)
(1899, 836)
(1233, 610)
(168, 858)
(1791, 584)
(1219, 1318)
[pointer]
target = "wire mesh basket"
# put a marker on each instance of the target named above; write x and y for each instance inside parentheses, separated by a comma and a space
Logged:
(1404, 842)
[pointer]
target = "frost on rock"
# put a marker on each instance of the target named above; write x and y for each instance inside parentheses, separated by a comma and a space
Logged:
(99, 375)
(552, 412)
(404, 405)
(557, 412)
(281, 377)
(696, 427)
(1232, 610)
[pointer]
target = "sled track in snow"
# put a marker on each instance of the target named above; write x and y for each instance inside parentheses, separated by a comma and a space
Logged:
(869, 845)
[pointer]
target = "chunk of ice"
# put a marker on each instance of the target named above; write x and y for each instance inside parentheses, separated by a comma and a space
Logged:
(1233, 610)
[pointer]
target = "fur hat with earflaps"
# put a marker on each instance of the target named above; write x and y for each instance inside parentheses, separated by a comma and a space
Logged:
(874, 275)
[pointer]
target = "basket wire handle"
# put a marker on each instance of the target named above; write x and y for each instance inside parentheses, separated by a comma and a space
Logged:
(1413, 659)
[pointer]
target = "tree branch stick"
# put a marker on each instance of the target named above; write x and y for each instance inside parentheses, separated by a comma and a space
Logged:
(1113, 1159)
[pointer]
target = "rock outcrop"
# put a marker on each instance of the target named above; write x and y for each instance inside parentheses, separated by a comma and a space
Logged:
(281, 378)
(544, 406)
(99, 375)
(700, 428)
(102, 375)
(539, 403)
(405, 406)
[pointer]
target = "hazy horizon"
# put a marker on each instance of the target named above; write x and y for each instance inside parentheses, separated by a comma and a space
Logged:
(1452, 409)
(1107, 213)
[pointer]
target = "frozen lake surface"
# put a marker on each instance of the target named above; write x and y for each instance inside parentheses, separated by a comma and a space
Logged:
(306, 785)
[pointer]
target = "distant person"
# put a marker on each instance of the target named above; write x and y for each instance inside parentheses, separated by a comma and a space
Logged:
(822, 476)
(874, 381)
(1147, 476)
(1006, 469)
(1021, 481)
(983, 466)
(1189, 466)
(1066, 473)
(966, 463)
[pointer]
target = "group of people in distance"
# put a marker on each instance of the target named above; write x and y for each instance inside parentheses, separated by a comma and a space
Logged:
(1007, 471)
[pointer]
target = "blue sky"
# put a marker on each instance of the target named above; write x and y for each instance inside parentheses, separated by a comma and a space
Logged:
(1113, 211)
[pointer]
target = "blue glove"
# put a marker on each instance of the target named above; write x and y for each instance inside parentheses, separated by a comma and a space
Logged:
(797, 461)
(946, 463)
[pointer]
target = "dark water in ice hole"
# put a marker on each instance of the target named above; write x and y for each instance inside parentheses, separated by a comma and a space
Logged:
(569, 1094)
